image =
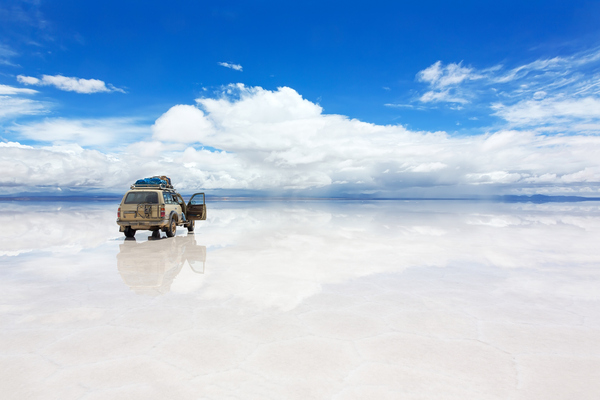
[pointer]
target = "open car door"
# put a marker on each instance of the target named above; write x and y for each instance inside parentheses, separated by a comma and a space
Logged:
(196, 208)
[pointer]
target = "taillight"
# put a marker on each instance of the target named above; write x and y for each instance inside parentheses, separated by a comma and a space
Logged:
(162, 211)
(119, 213)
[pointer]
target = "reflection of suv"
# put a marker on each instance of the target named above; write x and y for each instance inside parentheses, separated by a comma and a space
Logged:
(151, 267)
(152, 204)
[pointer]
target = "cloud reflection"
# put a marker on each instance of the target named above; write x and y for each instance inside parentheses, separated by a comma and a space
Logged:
(279, 255)
(276, 255)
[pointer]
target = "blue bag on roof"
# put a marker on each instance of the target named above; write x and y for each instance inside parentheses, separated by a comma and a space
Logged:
(151, 181)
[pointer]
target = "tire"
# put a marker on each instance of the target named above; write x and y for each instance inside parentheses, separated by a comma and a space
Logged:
(156, 234)
(172, 228)
(191, 226)
(129, 232)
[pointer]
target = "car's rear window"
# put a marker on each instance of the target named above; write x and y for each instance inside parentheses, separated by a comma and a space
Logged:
(141, 197)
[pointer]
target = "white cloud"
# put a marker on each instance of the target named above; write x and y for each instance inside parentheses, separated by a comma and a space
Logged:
(444, 82)
(452, 74)
(28, 80)
(494, 177)
(70, 84)
(445, 96)
(431, 74)
(565, 90)
(16, 106)
(69, 166)
(13, 105)
(256, 105)
(84, 132)
(521, 71)
(428, 167)
(236, 67)
(392, 105)
(4, 89)
(182, 123)
(554, 111)
(276, 140)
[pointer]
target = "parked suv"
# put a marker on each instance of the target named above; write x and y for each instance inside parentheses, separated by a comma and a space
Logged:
(153, 204)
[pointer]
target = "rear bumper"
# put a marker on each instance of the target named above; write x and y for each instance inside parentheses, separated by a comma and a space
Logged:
(143, 225)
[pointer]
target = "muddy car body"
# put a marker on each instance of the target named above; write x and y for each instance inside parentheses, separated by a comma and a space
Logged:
(156, 208)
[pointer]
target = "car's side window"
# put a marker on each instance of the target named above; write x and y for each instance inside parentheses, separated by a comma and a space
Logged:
(170, 198)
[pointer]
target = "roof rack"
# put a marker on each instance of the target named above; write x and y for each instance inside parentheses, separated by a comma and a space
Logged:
(151, 186)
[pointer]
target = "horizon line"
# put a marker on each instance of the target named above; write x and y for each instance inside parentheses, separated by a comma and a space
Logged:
(535, 198)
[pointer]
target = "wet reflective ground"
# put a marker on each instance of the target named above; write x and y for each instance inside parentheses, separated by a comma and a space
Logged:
(305, 300)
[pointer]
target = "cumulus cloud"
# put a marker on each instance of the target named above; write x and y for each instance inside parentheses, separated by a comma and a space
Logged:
(253, 139)
(249, 138)
(70, 84)
(182, 123)
(65, 165)
(236, 67)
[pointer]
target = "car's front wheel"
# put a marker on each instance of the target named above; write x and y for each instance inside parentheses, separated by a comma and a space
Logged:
(129, 232)
(172, 228)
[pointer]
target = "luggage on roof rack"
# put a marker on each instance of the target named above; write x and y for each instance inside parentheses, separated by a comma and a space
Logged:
(162, 182)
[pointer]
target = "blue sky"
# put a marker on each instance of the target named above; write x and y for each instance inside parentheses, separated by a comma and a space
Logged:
(319, 98)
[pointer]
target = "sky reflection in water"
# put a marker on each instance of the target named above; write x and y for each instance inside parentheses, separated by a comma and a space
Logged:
(507, 286)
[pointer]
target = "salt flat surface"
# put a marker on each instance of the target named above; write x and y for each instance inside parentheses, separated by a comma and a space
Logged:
(305, 300)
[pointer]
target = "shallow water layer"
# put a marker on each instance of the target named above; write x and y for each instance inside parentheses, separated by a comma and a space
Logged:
(304, 300)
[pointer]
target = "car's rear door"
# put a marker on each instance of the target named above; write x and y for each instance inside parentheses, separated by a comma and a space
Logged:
(139, 205)
(196, 208)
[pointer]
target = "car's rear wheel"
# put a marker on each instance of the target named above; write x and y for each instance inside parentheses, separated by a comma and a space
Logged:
(129, 232)
(191, 226)
(172, 228)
